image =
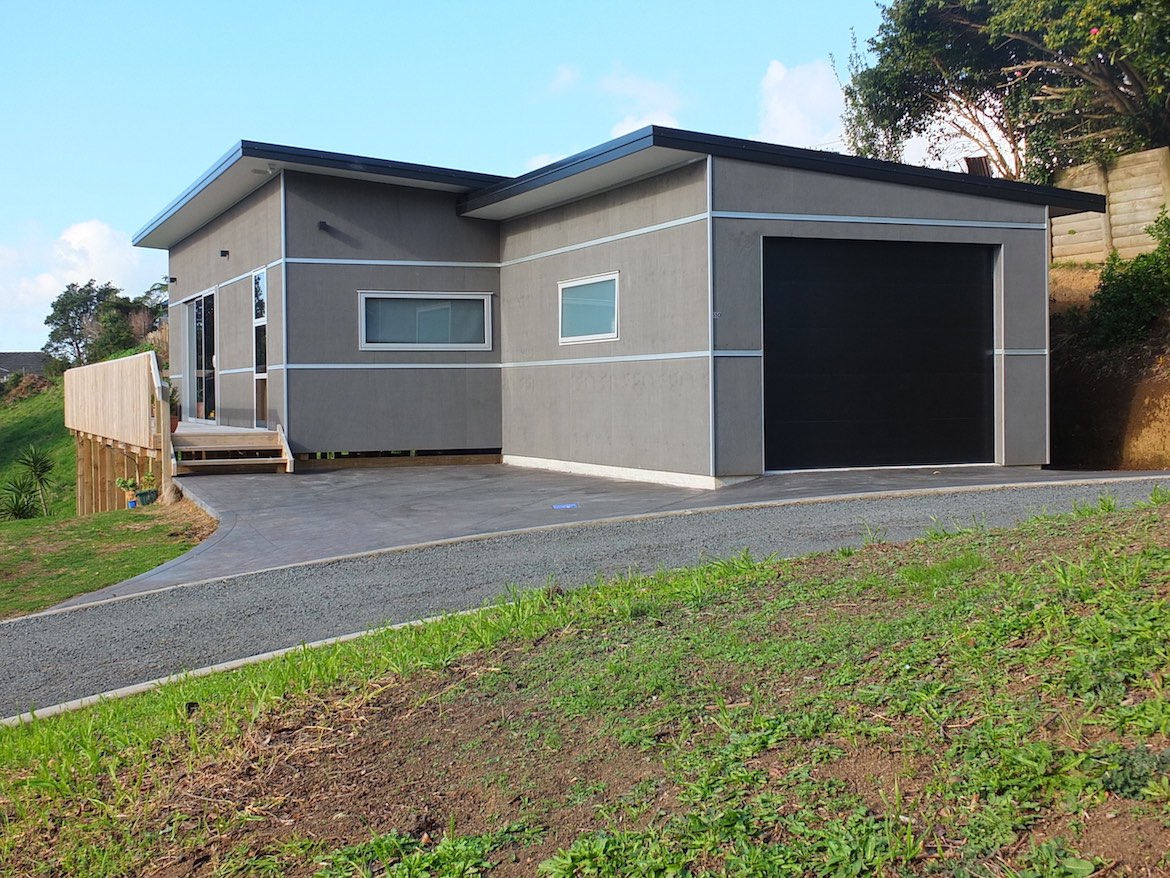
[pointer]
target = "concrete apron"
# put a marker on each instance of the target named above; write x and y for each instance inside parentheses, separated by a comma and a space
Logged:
(271, 520)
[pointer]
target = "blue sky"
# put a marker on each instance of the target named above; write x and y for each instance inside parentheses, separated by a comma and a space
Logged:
(111, 109)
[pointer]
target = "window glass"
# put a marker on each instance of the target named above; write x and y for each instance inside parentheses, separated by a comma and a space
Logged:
(261, 348)
(260, 295)
(589, 310)
(405, 320)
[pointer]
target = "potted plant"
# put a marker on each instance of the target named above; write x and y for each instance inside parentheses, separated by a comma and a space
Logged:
(176, 408)
(130, 486)
(147, 489)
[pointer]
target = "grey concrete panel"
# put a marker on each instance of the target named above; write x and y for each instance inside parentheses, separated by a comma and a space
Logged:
(323, 310)
(1024, 284)
(276, 307)
(665, 197)
(275, 316)
(744, 186)
(645, 414)
(378, 221)
(277, 407)
(236, 400)
(739, 417)
(1025, 410)
(249, 231)
(662, 297)
(394, 409)
(736, 260)
(233, 325)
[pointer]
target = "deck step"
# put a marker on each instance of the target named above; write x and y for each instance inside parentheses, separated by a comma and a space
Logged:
(226, 449)
(250, 439)
(239, 462)
(237, 450)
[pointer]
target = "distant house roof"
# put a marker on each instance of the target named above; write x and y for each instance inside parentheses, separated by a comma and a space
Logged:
(21, 361)
(643, 153)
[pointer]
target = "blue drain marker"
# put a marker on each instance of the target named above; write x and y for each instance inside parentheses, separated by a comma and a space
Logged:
(564, 506)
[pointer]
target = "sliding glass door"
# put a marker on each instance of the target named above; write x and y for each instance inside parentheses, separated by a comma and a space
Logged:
(201, 393)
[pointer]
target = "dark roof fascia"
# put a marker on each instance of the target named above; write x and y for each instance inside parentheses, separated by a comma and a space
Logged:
(872, 169)
(784, 156)
(312, 158)
(609, 151)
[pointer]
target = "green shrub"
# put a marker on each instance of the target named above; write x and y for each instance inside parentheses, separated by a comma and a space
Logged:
(1133, 293)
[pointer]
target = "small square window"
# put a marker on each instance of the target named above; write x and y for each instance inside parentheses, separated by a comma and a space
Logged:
(589, 309)
(425, 321)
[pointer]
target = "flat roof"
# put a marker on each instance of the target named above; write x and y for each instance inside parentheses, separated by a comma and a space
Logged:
(249, 165)
(654, 149)
(643, 153)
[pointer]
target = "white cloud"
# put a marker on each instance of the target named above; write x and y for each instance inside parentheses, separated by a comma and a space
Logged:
(645, 102)
(801, 105)
(35, 272)
(565, 77)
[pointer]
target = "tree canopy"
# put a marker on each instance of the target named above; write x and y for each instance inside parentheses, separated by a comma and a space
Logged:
(1034, 84)
(90, 322)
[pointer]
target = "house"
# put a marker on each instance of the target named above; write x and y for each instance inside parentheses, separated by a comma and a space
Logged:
(668, 306)
(21, 362)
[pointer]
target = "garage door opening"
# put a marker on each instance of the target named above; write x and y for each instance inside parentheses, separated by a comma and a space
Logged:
(877, 353)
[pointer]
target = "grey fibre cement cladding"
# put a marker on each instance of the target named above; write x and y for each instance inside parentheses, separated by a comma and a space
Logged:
(63, 655)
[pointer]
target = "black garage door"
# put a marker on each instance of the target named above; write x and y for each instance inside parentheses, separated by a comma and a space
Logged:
(877, 353)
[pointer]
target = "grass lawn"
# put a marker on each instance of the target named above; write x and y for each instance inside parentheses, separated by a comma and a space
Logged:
(976, 703)
(45, 560)
(40, 421)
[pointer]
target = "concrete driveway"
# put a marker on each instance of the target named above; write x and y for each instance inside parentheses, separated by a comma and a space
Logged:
(65, 656)
(273, 519)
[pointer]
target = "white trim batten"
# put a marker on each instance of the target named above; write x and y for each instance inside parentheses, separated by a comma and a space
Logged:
(331, 366)
(429, 263)
(394, 263)
(608, 239)
(710, 318)
(523, 364)
(876, 220)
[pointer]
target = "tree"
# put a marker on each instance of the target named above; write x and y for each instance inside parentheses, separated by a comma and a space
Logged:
(90, 323)
(38, 467)
(1034, 84)
(73, 320)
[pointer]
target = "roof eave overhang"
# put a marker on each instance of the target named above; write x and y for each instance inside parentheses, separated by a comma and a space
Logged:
(654, 150)
(250, 165)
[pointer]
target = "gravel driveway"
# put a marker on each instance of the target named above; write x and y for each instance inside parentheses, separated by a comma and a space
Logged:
(62, 655)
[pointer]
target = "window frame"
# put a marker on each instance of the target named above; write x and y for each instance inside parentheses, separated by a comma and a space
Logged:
(364, 345)
(582, 281)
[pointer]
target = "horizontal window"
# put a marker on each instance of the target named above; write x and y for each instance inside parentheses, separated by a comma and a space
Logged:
(589, 309)
(426, 321)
